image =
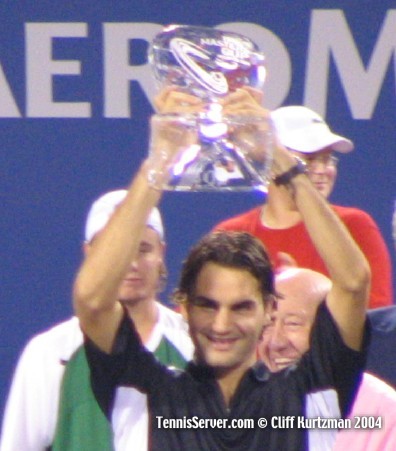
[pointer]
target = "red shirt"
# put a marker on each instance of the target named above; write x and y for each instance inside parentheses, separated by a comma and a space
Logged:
(296, 242)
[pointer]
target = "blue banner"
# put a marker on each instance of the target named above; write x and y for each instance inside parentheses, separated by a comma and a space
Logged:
(76, 93)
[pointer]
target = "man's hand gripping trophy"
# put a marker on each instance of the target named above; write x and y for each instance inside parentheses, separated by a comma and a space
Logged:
(175, 137)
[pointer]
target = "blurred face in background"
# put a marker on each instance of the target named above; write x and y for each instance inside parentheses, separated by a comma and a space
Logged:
(143, 279)
(322, 169)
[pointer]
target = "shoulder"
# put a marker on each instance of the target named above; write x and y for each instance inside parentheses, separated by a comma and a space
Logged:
(352, 214)
(59, 333)
(381, 359)
(61, 339)
(376, 396)
(383, 319)
(373, 384)
(169, 317)
(175, 329)
(239, 221)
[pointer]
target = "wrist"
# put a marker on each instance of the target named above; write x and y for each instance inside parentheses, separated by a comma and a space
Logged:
(284, 178)
(155, 171)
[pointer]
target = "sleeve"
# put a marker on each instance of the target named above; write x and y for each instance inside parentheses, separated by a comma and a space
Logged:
(332, 364)
(129, 364)
(368, 236)
(244, 222)
(31, 409)
(226, 225)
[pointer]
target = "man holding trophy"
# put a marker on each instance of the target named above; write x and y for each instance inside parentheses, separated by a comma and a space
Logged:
(226, 285)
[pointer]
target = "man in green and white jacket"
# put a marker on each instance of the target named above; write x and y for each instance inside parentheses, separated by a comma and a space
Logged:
(51, 404)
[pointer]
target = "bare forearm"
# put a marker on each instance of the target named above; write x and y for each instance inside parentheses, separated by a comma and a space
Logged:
(344, 260)
(347, 266)
(111, 253)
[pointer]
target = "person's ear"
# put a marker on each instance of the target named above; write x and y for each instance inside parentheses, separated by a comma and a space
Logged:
(163, 277)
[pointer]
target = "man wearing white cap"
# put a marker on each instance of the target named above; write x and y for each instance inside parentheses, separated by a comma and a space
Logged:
(278, 224)
(51, 402)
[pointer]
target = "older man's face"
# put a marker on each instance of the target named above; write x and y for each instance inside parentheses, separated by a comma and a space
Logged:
(286, 339)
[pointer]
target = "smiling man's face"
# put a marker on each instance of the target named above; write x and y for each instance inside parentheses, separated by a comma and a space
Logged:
(226, 317)
(286, 339)
(287, 336)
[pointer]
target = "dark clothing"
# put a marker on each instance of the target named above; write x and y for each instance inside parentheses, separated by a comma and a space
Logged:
(194, 392)
(381, 359)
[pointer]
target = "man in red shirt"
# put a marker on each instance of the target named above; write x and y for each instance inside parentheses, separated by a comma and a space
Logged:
(279, 225)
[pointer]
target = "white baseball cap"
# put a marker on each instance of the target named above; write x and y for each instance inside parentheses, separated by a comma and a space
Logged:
(102, 209)
(301, 129)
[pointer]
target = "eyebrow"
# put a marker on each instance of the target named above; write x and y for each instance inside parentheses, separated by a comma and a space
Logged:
(203, 300)
(299, 313)
(145, 243)
(213, 303)
(243, 303)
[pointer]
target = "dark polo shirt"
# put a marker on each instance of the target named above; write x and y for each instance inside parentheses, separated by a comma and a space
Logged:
(194, 392)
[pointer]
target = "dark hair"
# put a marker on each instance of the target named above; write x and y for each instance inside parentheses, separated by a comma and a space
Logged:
(229, 249)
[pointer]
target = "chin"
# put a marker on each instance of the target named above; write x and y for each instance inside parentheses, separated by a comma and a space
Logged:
(326, 193)
(225, 362)
(128, 302)
(131, 300)
(216, 361)
(223, 367)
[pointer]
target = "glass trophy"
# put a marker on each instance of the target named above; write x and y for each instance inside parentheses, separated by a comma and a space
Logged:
(218, 152)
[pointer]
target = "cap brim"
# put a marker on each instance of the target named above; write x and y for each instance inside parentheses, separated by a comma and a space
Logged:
(309, 141)
(342, 144)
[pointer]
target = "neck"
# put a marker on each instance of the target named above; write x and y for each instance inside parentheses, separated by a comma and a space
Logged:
(144, 313)
(280, 211)
(229, 380)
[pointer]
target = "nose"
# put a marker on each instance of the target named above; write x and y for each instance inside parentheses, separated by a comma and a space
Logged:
(133, 266)
(278, 340)
(222, 321)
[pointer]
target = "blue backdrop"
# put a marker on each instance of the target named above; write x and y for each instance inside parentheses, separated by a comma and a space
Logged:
(75, 96)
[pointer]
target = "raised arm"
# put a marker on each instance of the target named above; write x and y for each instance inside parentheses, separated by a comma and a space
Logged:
(95, 291)
(347, 266)
(96, 286)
